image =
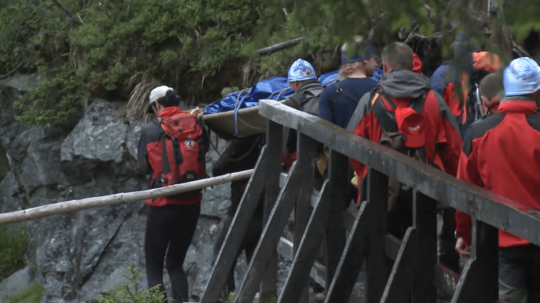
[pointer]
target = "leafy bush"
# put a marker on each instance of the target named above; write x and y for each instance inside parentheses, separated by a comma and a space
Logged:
(13, 244)
(131, 293)
(31, 294)
(195, 46)
(57, 101)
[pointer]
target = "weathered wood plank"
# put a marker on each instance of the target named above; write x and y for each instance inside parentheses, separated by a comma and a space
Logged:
(308, 248)
(274, 138)
(401, 281)
(236, 232)
(77, 205)
(270, 237)
(425, 222)
(306, 164)
(479, 280)
(336, 235)
(353, 256)
(376, 260)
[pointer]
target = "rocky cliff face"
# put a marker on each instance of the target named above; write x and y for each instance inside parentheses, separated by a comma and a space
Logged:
(76, 256)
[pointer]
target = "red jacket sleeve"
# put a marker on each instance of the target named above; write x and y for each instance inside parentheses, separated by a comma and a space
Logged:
(452, 149)
(449, 140)
(362, 130)
(467, 171)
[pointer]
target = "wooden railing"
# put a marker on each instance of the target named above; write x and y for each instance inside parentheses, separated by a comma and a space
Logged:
(412, 277)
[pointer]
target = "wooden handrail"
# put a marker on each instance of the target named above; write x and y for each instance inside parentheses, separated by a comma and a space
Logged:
(76, 205)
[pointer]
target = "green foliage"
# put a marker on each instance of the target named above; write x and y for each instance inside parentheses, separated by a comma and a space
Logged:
(131, 293)
(57, 101)
(31, 294)
(201, 46)
(13, 244)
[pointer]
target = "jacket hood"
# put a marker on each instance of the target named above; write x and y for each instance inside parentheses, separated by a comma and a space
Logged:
(405, 84)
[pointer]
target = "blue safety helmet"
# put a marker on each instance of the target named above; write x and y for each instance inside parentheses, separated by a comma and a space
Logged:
(521, 77)
(301, 70)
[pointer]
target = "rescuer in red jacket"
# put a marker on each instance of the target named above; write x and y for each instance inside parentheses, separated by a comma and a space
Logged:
(440, 130)
(172, 221)
(501, 154)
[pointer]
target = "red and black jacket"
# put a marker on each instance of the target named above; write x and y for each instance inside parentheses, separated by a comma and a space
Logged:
(150, 144)
(501, 153)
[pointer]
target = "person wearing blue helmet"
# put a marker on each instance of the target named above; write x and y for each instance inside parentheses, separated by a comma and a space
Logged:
(303, 81)
(500, 154)
(338, 101)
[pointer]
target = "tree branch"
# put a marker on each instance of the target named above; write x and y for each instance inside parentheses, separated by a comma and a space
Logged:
(68, 11)
(277, 47)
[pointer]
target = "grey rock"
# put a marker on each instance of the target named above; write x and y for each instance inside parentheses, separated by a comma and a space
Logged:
(99, 135)
(97, 143)
(15, 283)
(23, 82)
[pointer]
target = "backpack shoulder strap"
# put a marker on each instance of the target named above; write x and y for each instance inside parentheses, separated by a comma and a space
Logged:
(386, 120)
(336, 96)
(417, 104)
(310, 94)
(340, 91)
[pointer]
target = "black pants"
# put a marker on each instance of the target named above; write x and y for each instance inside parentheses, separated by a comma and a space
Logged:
(519, 272)
(170, 227)
(446, 251)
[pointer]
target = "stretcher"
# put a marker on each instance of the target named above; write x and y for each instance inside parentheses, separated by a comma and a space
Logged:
(248, 122)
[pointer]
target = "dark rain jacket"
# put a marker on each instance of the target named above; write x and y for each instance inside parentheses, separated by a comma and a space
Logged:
(443, 142)
(241, 154)
(306, 100)
(501, 153)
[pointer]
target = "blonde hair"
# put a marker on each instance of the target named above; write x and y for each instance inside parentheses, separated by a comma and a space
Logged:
(349, 68)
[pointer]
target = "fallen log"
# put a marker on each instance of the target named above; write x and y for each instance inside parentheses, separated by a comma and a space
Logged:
(76, 205)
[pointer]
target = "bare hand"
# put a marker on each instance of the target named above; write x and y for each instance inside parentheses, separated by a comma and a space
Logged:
(463, 249)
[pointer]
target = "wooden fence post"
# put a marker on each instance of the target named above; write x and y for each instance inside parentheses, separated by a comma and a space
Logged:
(479, 281)
(274, 139)
(376, 261)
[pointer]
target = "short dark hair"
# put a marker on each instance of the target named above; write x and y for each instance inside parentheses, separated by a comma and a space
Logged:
(170, 99)
(398, 55)
(491, 85)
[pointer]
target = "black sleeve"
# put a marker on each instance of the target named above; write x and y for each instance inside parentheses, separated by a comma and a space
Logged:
(142, 154)
(237, 148)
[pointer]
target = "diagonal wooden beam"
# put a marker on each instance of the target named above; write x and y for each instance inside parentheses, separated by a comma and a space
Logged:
(479, 280)
(354, 253)
(266, 248)
(237, 230)
(401, 281)
(309, 248)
